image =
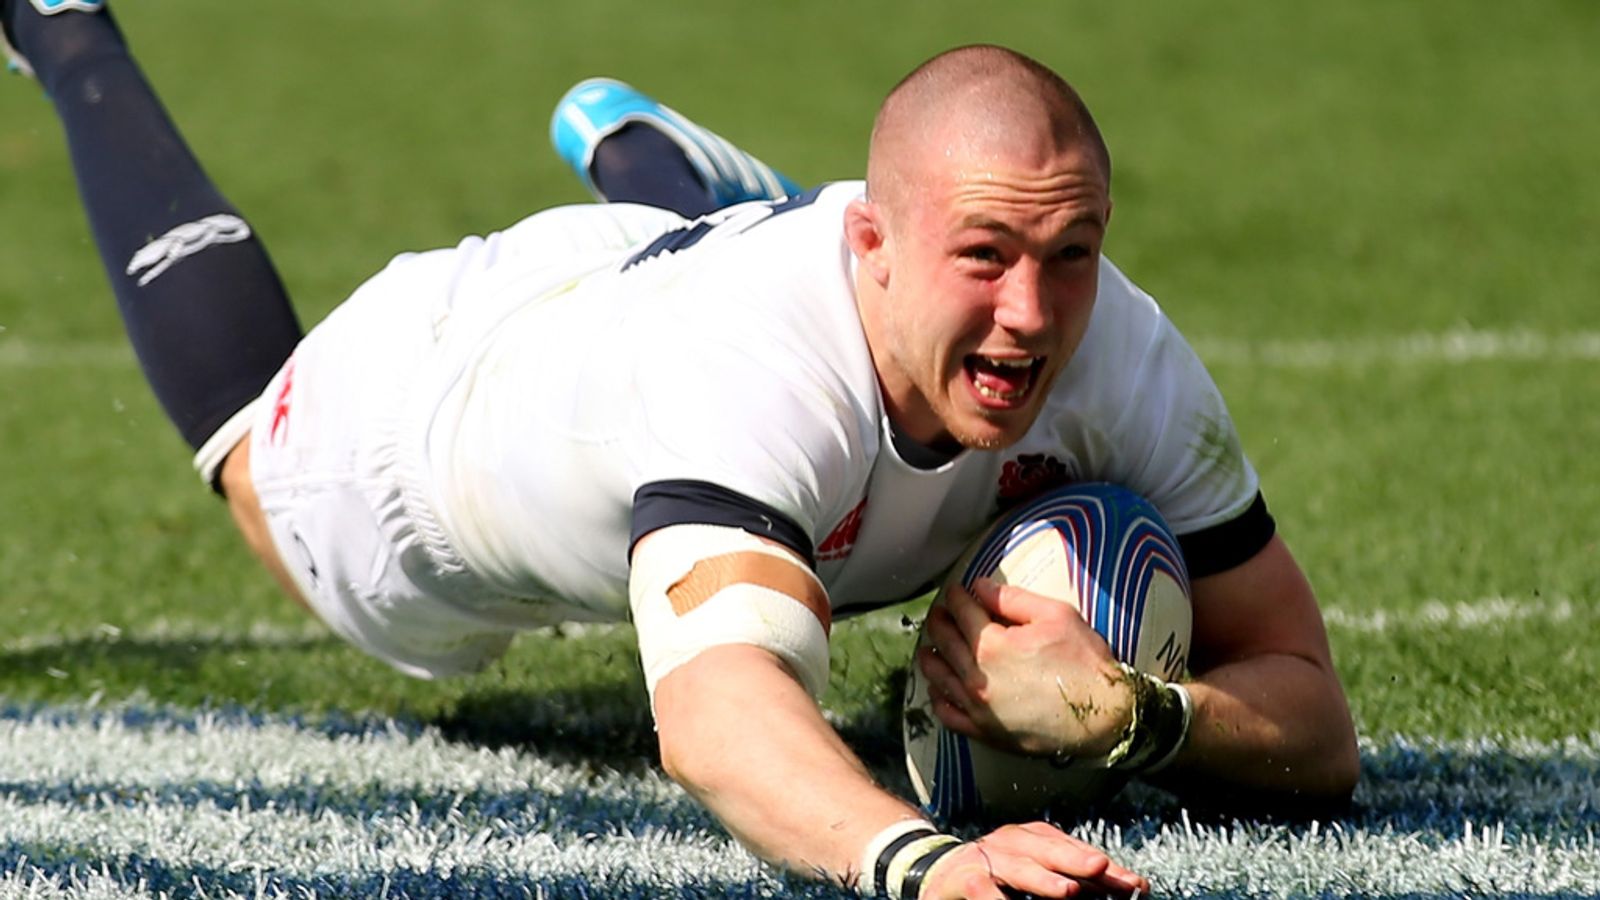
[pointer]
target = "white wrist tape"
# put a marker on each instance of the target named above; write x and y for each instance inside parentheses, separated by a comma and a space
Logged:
(693, 587)
(1183, 735)
(1158, 724)
(870, 884)
(899, 857)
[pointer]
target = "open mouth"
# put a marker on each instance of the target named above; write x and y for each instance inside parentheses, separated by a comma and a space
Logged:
(1002, 381)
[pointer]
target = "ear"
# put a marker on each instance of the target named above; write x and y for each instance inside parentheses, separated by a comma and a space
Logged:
(864, 231)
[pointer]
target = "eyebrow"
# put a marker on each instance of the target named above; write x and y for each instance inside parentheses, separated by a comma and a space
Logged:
(984, 223)
(987, 223)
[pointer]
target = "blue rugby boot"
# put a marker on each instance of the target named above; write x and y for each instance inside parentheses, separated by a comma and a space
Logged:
(599, 107)
(15, 61)
(15, 64)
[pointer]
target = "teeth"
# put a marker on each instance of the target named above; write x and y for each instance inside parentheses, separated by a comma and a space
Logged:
(998, 395)
(1010, 363)
(1012, 367)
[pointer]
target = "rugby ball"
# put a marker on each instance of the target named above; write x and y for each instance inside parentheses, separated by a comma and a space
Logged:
(1106, 551)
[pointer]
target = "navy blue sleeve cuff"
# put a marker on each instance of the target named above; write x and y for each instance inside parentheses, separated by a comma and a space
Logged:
(662, 503)
(1232, 543)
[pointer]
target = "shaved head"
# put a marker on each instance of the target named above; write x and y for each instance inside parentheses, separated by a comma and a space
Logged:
(969, 104)
(978, 241)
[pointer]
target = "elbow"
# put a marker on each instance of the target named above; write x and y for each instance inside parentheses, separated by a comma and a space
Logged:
(1343, 771)
(1339, 755)
(692, 768)
(1327, 794)
(1323, 781)
(1325, 787)
(676, 760)
(690, 744)
(1316, 782)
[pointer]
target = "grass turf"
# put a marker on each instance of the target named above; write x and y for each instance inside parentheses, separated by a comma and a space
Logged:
(1327, 180)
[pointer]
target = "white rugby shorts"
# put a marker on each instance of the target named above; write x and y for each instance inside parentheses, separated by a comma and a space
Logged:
(338, 484)
(323, 464)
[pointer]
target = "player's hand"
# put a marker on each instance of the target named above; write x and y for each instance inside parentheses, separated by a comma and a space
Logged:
(1037, 859)
(1023, 673)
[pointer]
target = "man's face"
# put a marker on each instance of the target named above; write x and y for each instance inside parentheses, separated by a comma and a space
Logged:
(989, 271)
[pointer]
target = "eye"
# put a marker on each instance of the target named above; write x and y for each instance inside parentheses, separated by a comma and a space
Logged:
(1075, 252)
(982, 253)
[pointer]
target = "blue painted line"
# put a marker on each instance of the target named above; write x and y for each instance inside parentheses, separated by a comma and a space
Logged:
(156, 876)
(571, 813)
(1443, 786)
(1429, 792)
(177, 881)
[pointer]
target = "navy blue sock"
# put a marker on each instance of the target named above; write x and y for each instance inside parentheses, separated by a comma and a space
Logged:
(207, 314)
(638, 164)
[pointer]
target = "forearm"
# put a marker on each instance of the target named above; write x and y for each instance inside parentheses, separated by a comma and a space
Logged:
(1273, 728)
(745, 739)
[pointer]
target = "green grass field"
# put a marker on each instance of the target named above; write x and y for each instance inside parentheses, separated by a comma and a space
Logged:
(1376, 221)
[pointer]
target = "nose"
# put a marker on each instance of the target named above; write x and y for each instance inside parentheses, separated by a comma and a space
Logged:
(1022, 305)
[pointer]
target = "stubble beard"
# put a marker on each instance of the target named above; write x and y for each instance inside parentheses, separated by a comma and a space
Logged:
(1002, 432)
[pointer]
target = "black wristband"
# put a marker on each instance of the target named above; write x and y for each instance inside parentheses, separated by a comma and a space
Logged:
(912, 886)
(881, 868)
(1159, 725)
(895, 863)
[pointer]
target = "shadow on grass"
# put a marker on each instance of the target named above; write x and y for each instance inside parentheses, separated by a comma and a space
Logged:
(124, 659)
(604, 723)
(568, 702)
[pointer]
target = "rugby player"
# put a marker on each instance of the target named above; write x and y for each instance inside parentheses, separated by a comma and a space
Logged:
(734, 430)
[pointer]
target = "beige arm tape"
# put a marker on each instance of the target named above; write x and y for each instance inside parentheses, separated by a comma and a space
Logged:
(693, 587)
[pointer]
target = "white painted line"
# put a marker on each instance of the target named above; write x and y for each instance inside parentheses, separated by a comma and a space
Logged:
(16, 353)
(1273, 861)
(121, 793)
(1434, 615)
(276, 755)
(26, 882)
(260, 634)
(305, 845)
(1486, 612)
(264, 634)
(1454, 347)
(1470, 615)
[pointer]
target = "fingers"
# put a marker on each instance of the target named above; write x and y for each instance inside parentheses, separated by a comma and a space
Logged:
(1063, 856)
(988, 606)
(1050, 846)
(1020, 606)
(1046, 618)
(1036, 859)
(949, 640)
(951, 701)
(967, 612)
(967, 873)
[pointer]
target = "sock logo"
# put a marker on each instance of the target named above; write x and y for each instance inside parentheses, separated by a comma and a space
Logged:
(184, 241)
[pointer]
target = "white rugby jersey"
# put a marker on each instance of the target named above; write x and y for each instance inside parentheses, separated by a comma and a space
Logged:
(719, 374)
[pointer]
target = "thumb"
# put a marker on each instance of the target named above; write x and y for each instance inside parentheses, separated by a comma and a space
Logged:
(1015, 604)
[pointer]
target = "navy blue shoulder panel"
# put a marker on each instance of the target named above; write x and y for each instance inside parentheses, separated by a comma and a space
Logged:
(684, 502)
(691, 233)
(1221, 547)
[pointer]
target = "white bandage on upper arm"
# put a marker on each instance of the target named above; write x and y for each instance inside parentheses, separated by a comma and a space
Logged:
(693, 587)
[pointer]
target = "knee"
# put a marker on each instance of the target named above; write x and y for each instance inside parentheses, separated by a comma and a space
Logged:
(245, 505)
(233, 479)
